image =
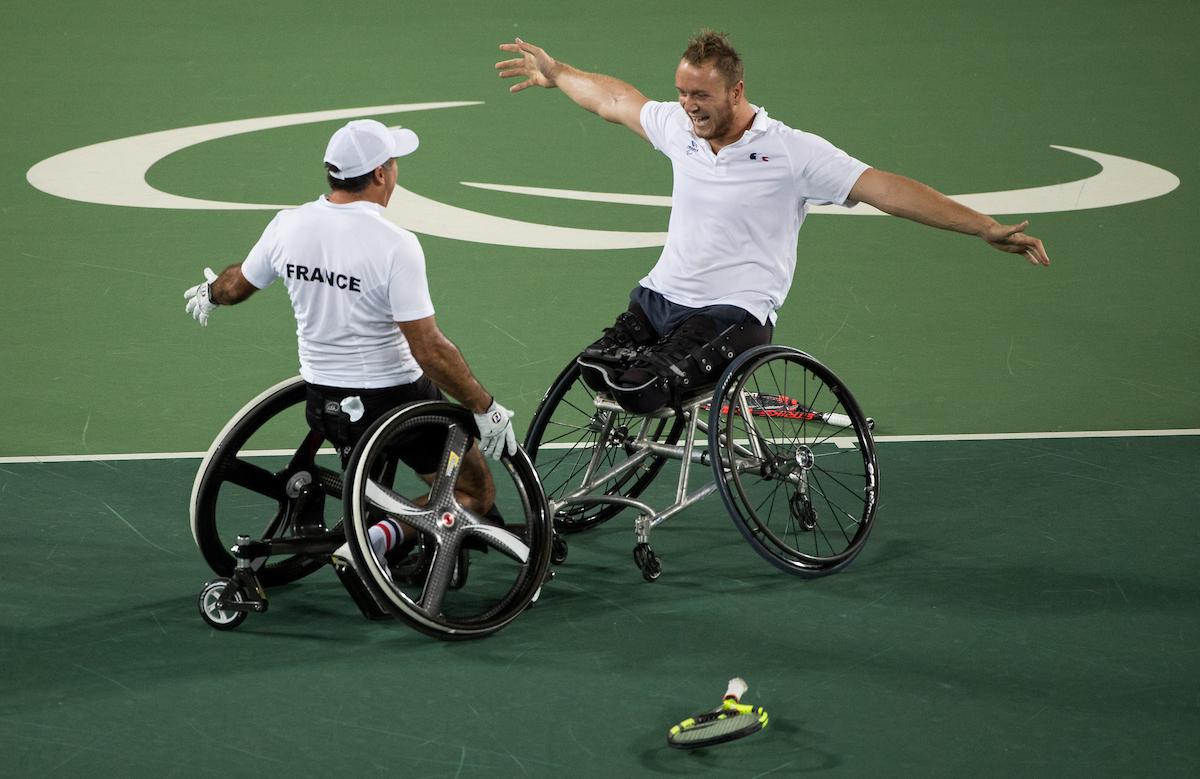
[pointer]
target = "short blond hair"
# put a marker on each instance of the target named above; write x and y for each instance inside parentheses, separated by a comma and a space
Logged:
(710, 46)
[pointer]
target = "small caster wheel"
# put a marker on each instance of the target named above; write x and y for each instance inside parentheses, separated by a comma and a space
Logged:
(870, 424)
(804, 513)
(558, 549)
(211, 611)
(647, 562)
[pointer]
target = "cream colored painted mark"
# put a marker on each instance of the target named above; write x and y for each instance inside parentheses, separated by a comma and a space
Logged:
(1119, 181)
(114, 173)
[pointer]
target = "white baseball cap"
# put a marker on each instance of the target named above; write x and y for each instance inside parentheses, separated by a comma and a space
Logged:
(365, 144)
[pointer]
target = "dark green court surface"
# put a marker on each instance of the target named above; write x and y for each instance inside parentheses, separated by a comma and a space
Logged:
(1024, 607)
(1012, 614)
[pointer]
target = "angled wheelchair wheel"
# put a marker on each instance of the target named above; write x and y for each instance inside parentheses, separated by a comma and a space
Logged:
(263, 477)
(571, 441)
(796, 469)
(507, 564)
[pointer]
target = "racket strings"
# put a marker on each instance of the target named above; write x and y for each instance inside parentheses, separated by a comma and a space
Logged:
(718, 726)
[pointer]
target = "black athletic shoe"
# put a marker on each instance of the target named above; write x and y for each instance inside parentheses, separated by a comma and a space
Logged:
(615, 350)
(672, 352)
(682, 363)
(626, 335)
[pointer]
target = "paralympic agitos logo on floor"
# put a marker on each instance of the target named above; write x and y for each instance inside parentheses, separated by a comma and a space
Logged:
(114, 173)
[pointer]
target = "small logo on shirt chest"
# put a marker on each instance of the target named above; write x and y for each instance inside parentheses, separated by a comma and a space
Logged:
(692, 147)
(756, 156)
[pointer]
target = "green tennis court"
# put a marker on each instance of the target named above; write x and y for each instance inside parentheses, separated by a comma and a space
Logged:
(1027, 603)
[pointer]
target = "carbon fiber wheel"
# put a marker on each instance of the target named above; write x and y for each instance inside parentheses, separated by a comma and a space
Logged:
(264, 477)
(507, 563)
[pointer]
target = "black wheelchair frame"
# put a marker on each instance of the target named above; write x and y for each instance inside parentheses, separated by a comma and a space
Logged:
(288, 534)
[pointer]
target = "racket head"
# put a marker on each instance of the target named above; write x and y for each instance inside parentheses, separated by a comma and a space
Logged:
(731, 721)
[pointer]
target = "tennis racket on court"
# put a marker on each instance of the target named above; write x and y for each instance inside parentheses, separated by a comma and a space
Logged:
(763, 404)
(731, 720)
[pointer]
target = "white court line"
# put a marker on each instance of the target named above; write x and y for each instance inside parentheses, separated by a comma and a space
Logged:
(70, 458)
(76, 458)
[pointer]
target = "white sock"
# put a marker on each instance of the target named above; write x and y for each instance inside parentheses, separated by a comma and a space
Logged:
(384, 535)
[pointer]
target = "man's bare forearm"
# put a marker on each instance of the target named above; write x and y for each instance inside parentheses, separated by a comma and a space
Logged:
(901, 196)
(231, 287)
(608, 97)
(443, 363)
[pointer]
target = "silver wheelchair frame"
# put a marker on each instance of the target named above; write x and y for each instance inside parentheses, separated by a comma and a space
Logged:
(756, 452)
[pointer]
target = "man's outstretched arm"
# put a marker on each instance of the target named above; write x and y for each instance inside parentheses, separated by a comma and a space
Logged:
(901, 196)
(610, 98)
(224, 290)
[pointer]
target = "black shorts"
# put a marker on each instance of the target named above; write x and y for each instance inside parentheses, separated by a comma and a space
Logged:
(420, 450)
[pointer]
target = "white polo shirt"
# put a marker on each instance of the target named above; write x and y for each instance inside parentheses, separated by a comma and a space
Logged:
(736, 214)
(351, 275)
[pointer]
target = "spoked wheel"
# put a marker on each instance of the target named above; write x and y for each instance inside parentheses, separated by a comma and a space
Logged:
(508, 563)
(240, 490)
(572, 441)
(797, 468)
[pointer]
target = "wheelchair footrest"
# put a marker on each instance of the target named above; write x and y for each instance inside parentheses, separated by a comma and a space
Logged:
(362, 597)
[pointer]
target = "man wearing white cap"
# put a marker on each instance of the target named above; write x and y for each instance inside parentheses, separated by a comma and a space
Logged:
(367, 337)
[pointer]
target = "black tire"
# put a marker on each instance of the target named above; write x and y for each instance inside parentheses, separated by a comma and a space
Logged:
(562, 438)
(558, 547)
(647, 562)
(233, 496)
(216, 617)
(805, 497)
(503, 579)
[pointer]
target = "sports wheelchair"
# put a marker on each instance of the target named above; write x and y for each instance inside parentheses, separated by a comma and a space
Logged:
(265, 517)
(791, 454)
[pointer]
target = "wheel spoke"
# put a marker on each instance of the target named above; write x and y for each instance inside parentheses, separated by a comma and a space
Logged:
(400, 507)
(499, 538)
(441, 572)
(568, 414)
(306, 452)
(839, 482)
(451, 461)
(254, 478)
(837, 512)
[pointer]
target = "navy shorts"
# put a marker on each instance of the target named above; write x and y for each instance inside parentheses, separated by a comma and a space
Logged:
(665, 316)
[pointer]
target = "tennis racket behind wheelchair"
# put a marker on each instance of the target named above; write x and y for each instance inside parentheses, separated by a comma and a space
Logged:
(763, 404)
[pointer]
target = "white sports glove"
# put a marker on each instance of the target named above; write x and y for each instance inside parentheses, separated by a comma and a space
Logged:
(199, 298)
(496, 434)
